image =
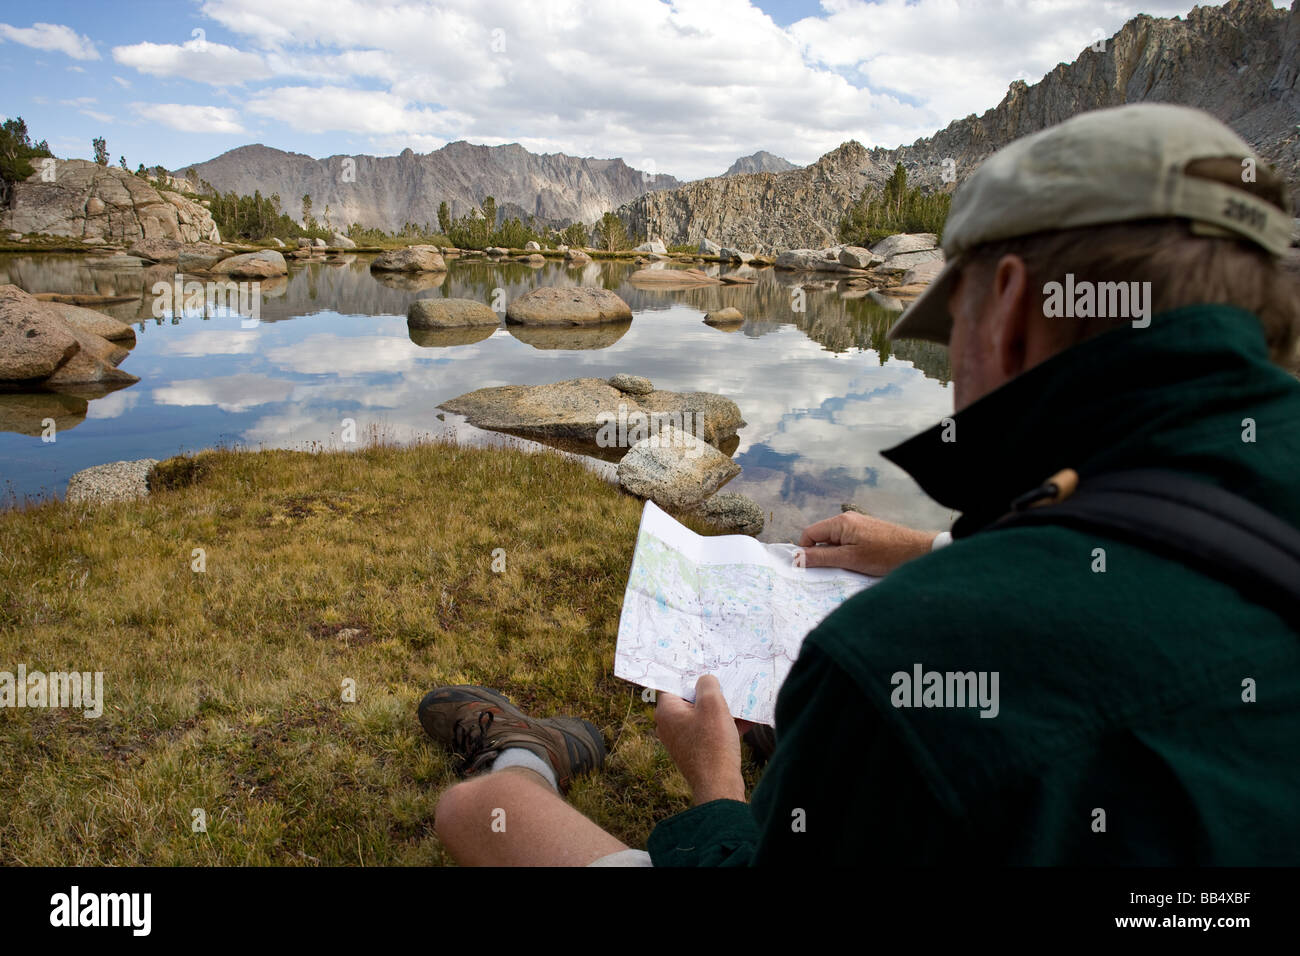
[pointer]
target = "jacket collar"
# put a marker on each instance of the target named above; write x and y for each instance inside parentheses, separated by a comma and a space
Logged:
(1114, 401)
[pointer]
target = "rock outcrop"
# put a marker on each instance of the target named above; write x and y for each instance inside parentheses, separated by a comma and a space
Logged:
(1238, 62)
(89, 201)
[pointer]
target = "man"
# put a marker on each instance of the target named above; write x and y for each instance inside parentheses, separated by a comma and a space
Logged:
(1037, 692)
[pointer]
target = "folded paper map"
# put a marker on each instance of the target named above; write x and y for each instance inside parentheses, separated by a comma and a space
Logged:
(729, 606)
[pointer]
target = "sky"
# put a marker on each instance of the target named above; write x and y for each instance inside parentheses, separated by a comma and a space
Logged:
(682, 87)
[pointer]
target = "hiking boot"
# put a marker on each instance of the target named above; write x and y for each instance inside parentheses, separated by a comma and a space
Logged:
(476, 724)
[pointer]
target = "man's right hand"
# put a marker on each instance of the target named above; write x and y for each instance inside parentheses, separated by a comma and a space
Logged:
(858, 542)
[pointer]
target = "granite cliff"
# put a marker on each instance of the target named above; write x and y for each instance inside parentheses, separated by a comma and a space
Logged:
(1239, 62)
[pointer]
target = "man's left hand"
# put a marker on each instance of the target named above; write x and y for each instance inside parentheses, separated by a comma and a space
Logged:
(704, 741)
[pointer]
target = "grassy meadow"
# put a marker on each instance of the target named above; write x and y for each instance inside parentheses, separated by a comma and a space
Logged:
(223, 688)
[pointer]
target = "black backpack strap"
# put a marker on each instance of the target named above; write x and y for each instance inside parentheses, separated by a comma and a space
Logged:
(1198, 524)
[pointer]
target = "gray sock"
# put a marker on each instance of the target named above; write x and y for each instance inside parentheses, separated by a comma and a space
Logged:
(523, 757)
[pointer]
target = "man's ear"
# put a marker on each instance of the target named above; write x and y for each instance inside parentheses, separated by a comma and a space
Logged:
(1010, 305)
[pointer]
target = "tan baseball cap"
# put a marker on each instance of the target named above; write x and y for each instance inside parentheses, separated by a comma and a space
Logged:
(1106, 166)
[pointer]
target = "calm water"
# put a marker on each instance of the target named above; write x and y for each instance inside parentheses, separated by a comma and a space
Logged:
(821, 390)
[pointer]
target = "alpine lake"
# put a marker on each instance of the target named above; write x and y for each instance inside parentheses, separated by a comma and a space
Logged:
(821, 388)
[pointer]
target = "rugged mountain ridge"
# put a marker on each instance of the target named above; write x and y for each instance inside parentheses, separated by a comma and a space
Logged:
(1240, 62)
(387, 191)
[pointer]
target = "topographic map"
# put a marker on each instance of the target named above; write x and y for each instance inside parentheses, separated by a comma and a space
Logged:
(729, 606)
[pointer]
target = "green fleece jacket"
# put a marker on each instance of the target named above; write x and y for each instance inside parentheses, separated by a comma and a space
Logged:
(1146, 713)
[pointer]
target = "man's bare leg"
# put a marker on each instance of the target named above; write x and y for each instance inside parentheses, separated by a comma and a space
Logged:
(513, 817)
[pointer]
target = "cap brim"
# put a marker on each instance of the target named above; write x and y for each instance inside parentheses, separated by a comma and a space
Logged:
(927, 317)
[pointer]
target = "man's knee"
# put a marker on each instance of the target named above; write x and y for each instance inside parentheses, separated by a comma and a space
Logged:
(457, 806)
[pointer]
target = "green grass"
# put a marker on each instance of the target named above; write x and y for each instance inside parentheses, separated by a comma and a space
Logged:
(222, 689)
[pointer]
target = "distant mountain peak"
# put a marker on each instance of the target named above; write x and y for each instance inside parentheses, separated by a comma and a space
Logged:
(760, 162)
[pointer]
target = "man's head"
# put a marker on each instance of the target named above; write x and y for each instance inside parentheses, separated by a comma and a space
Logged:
(1143, 208)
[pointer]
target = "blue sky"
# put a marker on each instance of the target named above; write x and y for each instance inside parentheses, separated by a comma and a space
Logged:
(682, 87)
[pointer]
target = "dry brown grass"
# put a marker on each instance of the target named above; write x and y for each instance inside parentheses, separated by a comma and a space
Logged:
(223, 688)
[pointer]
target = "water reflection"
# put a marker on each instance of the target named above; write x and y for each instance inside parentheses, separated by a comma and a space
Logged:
(820, 386)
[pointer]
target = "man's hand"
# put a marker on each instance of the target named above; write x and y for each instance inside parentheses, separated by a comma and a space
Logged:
(704, 741)
(861, 543)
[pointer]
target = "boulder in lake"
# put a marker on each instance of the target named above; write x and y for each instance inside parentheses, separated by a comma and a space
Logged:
(319, 243)
(97, 323)
(709, 248)
(341, 241)
(420, 258)
(654, 245)
(252, 265)
(34, 341)
(674, 469)
(532, 246)
(567, 305)
(733, 513)
(449, 314)
(199, 257)
(94, 363)
(905, 242)
(587, 410)
(728, 316)
(904, 261)
(576, 257)
(736, 255)
(496, 251)
(924, 273)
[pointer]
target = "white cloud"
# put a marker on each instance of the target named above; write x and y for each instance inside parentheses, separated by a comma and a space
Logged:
(233, 393)
(332, 108)
(213, 63)
(191, 119)
(686, 85)
(51, 36)
(125, 84)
